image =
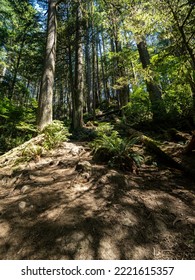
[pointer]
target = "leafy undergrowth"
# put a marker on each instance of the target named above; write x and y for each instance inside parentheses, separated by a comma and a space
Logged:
(63, 205)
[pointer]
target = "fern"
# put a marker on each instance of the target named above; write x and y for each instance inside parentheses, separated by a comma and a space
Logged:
(110, 147)
(55, 134)
(32, 152)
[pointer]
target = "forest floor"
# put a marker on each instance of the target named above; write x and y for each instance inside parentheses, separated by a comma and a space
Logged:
(65, 206)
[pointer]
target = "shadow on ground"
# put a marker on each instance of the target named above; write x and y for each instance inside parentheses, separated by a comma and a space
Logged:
(50, 210)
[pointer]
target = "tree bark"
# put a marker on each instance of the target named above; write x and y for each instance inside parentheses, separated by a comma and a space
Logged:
(123, 92)
(153, 89)
(78, 91)
(88, 68)
(104, 71)
(45, 110)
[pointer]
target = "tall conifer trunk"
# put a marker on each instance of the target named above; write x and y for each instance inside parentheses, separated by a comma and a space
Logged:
(45, 110)
(153, 89)
(78, 88)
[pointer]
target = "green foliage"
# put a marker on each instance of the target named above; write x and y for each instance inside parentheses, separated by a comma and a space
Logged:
(32, 152)
(117, 152)
(54, 134)
(104, 128)
(17, 123)
(178, 101)
(174, 75)
(139, 108)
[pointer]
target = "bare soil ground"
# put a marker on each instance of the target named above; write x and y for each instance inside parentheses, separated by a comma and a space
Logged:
(56, 208)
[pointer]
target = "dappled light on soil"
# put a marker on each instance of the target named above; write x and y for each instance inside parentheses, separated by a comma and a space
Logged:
(51, 211)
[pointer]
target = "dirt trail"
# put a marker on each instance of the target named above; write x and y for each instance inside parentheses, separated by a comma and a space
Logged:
(66, 207)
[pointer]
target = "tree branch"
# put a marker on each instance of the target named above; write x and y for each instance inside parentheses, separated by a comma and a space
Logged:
(188, 15)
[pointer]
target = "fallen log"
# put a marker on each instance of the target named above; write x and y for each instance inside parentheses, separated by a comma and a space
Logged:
(155, 148)
(165, 158)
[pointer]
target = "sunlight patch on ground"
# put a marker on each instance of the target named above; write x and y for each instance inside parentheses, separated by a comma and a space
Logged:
(141, 252)
(128, 219)
(108, 249)
(4, 229)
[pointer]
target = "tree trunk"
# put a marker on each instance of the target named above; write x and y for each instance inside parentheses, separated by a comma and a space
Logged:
(18, 62)
(103, 69)
(78, 89)
(153, 89)
(88, 68)
(45, 110)
(123, 92)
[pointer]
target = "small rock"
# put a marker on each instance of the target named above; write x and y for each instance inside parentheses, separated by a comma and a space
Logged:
(22, 205)
(118, 179)
(104, 180)
(83, 166)
(25, 189)
(85, 175)
(81, 187)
